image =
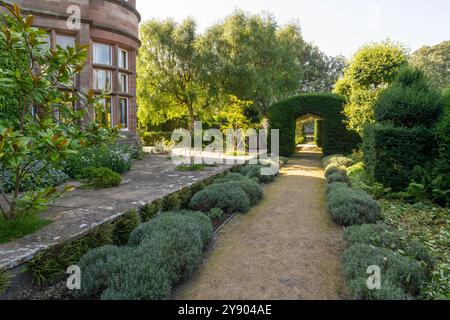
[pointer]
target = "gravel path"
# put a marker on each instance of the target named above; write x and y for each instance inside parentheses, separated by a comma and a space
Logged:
(284, 248)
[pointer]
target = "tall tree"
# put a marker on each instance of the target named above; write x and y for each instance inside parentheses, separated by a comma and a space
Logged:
(168, 65)
(435, 62)
(250, 57)
(372, 68)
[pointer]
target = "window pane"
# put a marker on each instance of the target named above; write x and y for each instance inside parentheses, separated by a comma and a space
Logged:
(123, 59)
(102, 79)
(65, 41)
(123, 82)
(102, 54)
(124, 112)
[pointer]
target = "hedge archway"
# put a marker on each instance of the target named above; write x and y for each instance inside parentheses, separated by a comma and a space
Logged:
(334, 136)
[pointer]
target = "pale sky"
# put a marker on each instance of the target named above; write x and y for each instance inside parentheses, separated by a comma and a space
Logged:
(336, 26)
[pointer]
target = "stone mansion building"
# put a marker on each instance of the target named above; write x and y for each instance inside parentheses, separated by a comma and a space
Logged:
(111, 29)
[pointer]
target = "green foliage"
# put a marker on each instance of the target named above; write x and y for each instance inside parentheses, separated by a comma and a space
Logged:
(336, 177)
(401, 272)
(171, 202)
(101, 178)
(163, 252)
(360, 179)
(434, 61)
(52, 264)
(151, 138)
(370, 70)
(359, 290)
(391, 153)
(150, 211)
(337, 160)
(215, 196)
(336, 137)
(215, 213)
(24, 224)
(331, 187)
(5, 280)
(123, 226)
(232, 176)
(253, 171)
(409, 101)
(384, 236)
(252, 189)
(335, 169)
(118, 158)
(192, 167)
(318, 133)
(349, 207)
(430, 226)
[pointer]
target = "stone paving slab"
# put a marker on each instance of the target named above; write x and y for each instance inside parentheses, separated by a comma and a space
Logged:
(81, 210)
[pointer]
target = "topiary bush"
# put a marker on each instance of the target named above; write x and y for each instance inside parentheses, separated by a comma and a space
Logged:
(336, 185)
(402, 272)
(409, 101)
(335, 136)
(253, 171)
(336, 177)
(162, 253)
(338, 161)
(215, 196)
(349, 207)
(391, 153)
(384, 236)
(333, 169)
(101, 178)
(232, 176)
(251, 188)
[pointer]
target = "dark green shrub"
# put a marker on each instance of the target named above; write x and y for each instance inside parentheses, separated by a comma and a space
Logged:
(403, 272)
(391, 153)
(384, 236)
(360, 179)
(336, 137)
(182, 221)
(215, 196)
(118, 158)
(52, 264)
(231, 177)
(409, 101)
(332, 169)
(150, 211)
(349, 207)
(123, 227)
(338, 161)
(336, 177)
(336, 185)
(5, 280)
(253, 171)
(318, 133)
(359, 290)
(251, 188)
(150, 138)
(171, 202)
(101, 178)
(215, 213)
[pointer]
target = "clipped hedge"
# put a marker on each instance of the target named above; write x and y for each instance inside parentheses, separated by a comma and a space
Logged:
(215, 196)
(384, 236)
(391, 153)
(162, 253)
(251, 188)
(409, 101)
(400, 271)
(335, 136)
(349, 207)
(253, 171)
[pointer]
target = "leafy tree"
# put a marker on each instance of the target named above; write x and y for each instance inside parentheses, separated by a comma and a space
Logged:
(320, 72)
(50, 133)
(168, 64)
(435, 62)
(250, 57)
(372, 68)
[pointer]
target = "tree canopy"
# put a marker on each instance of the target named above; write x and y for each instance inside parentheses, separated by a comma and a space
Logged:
(435, 62)
(371, 69)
